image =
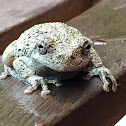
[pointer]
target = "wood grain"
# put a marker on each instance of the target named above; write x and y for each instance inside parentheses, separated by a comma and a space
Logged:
(62, 101)
(104, 20)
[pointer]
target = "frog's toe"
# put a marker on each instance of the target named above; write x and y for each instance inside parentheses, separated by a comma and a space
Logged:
(106, 73)
(103, 73)
(114, 83)
(114, 88)
(106, 87)
(3, 75)
(29, 90)
(46, 92)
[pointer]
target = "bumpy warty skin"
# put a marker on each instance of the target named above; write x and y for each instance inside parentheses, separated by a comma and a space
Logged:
(52, 48)
(64, 45)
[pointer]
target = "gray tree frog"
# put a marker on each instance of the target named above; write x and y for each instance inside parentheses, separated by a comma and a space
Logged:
(51, 52)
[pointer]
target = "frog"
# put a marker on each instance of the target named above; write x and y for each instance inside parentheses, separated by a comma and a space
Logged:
(50, 53)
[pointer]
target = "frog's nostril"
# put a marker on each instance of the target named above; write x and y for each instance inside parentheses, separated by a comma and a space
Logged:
(40, 46)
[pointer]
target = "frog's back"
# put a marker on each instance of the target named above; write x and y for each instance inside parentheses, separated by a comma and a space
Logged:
(8, 54)
(27, 42)
(65, 39)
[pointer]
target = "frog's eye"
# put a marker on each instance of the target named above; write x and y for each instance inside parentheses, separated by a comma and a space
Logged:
(40, 46)
(42, 49)
(86, 48)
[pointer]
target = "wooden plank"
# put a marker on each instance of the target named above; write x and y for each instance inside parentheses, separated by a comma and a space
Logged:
(19, 109)
(28, 110)
(105, 20)
(17, 16)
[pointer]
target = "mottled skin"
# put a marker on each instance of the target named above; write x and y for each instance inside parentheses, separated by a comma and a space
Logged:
(51, 52)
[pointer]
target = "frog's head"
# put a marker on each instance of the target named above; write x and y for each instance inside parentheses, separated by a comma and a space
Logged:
(64, 57)
(79, 57)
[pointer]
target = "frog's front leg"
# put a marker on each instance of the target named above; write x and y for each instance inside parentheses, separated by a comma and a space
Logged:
(99, 69)
(34, 81)
(4, 75)
(26, 70)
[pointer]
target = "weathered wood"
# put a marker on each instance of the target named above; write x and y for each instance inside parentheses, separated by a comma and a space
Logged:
(105, 20)
(16, 107)
(19, 109)
(17, 16)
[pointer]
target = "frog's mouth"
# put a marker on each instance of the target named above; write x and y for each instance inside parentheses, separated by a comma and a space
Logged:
(79, 63)
(79, 59)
